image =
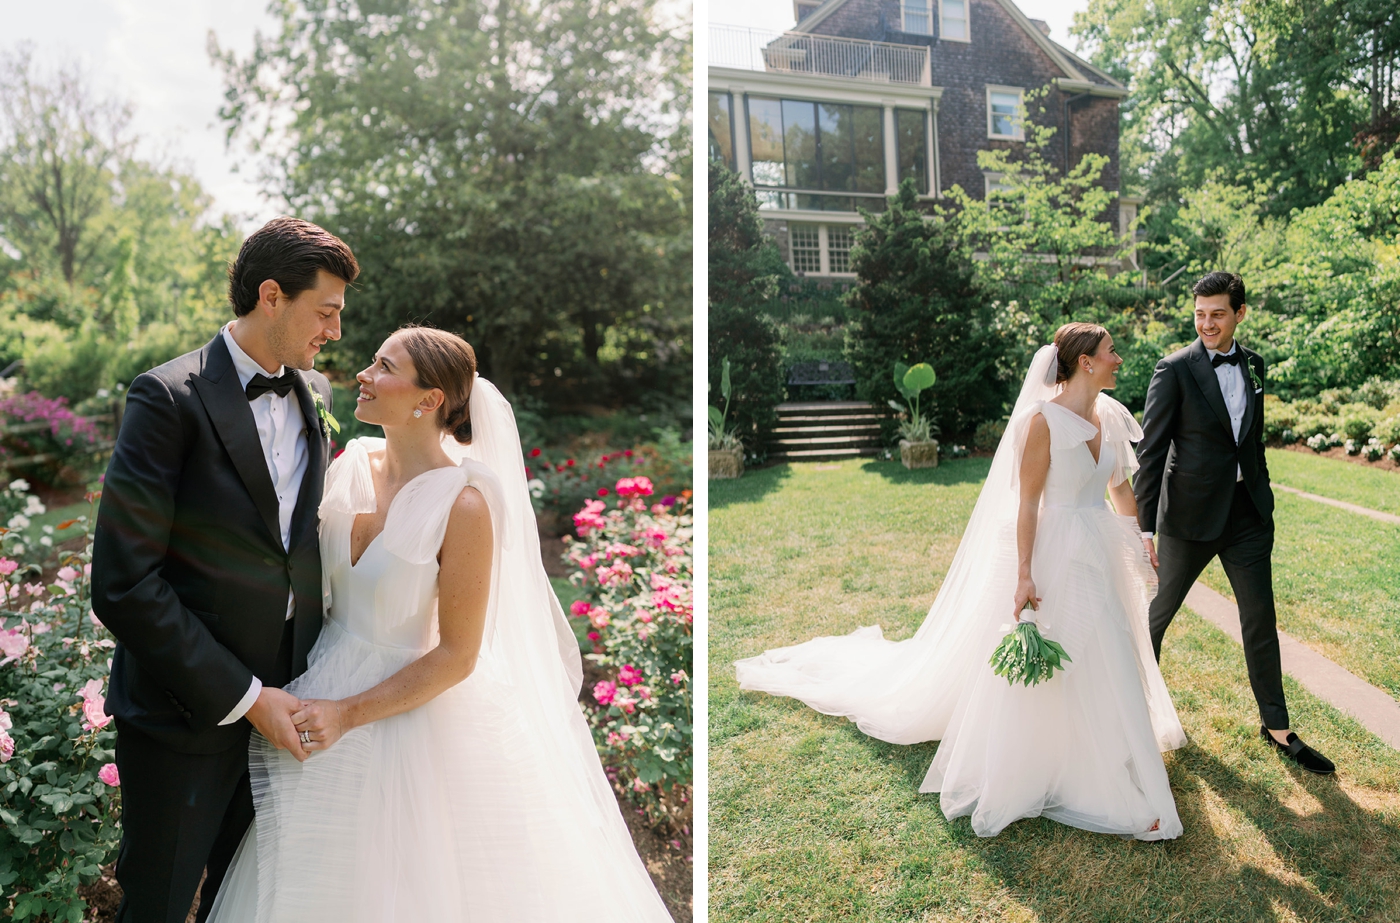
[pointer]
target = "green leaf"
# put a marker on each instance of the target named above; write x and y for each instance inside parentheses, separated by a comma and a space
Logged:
(919, 378)
(724, 387)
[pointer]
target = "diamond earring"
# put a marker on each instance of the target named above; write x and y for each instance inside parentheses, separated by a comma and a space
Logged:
(417, 413)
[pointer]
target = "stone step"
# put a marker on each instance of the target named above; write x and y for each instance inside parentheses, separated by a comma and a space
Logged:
(825, 454)
(819, 428)
(829, 440)
(827, 408)
(857, 418)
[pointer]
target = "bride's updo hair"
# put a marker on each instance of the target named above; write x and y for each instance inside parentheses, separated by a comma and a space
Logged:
(1071, 342)
(445, 361)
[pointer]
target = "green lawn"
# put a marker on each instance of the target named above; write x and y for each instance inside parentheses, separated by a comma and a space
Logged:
(1336, 574)
(811, 820)
(1373, 488)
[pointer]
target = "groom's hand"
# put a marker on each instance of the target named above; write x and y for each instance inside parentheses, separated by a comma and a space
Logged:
(1151, 551)
(271, 714)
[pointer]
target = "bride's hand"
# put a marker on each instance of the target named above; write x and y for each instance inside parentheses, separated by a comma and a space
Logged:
(323, 720)
(1025, 593)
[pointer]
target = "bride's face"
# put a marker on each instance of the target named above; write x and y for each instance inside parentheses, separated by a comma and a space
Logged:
(1106, 361)
(389, 391)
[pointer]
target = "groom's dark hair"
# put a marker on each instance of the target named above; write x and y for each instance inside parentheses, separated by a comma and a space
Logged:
(1222, 283)
(290, 252)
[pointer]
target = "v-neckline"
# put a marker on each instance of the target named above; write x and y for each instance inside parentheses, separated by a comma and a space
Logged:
(1098, 430)
(350, 539)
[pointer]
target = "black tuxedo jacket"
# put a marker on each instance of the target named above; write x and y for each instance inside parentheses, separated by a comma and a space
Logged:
(188, 570)
(1188, 456)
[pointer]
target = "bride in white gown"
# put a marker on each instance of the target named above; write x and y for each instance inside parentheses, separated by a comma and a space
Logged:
(451, 774)
(1083, 748)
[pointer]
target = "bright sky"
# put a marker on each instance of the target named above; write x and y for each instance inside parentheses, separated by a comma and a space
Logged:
(152, 54)
(777, 14)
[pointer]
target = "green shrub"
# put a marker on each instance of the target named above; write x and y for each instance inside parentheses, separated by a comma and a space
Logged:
(1357, 426)
(1388, 430)
(988, 435)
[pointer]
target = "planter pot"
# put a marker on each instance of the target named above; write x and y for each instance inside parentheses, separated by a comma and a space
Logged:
(919, 454)
(726, 463)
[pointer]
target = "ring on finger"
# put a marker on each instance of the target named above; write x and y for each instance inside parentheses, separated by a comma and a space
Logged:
(306, 737)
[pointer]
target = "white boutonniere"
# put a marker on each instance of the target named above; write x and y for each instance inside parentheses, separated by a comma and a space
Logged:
(328, 422)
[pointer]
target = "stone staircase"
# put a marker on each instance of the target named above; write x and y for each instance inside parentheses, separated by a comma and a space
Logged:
(826, 431)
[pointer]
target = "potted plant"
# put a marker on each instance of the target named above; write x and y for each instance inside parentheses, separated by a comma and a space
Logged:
(917, 447)
(726, 450)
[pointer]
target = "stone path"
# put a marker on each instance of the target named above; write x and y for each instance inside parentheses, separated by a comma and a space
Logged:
(1342, 505)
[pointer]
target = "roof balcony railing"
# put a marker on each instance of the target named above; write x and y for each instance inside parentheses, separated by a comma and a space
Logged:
(819, 55)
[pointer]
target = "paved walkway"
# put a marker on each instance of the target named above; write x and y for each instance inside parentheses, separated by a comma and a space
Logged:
(1342, 505)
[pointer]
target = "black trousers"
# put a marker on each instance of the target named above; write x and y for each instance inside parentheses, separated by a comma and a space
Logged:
(182, 814)
(1245, 550)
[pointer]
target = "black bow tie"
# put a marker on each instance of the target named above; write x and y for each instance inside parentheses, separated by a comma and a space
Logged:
(1215, 361)
(261, 384)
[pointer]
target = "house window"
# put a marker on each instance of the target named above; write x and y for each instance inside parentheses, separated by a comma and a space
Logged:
(996, 183)
(911, 146)
(952, 21)
(806, 247)
(1004, 105)
(821, 249)
(839, 238)
(722, 129)
(816, 148)
(917, 16)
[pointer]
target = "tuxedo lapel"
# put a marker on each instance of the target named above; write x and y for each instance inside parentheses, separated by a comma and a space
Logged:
(1250, 409)
(1204, 373)
(308, 498)
(227, 405)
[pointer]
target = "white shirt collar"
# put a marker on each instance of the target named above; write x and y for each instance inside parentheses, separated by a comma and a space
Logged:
(1234, 345)
(244, 364)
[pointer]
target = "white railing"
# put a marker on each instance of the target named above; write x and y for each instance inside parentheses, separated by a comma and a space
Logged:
(820, 55)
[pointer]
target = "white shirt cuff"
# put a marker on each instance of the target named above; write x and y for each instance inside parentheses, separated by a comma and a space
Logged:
(244, 703)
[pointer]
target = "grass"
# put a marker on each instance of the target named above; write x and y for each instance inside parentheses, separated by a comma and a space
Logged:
(811, 820)
(1373, 488)
(1336, 582)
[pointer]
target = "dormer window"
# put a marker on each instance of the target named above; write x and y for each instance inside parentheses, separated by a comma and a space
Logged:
(953, 21)
(805, 9)
(917, 16)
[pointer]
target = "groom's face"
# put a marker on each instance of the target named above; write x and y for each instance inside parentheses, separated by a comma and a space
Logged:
(1216, 321)
(303, 324)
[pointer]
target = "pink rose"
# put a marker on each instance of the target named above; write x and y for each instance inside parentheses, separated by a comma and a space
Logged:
(604, 692)
(66, 574)
(6, 722)
(599, 617)
(8, 567)
(615, 738)
(629, 675)
(579, 607)
(92, 706)
(639, 786)
(643, 616)
(13, 644)
(655, 537)
(594, 636)
(644, 693)
(107, 775)
(7, 747)
(678, 677)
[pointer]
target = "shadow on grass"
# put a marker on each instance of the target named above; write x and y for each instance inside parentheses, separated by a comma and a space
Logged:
(756, 484)
(953, 471)
(1344, 853)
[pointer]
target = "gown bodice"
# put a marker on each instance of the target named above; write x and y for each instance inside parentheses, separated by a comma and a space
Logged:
(1075, 479)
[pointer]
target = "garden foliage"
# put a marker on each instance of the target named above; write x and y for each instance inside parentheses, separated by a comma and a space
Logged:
(59, 801)
(633, 563)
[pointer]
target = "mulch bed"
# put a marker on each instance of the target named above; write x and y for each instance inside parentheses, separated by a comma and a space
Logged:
(1340, 453)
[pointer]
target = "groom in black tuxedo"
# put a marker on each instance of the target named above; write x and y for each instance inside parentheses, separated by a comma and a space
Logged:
(1203, 488)
(206, 565)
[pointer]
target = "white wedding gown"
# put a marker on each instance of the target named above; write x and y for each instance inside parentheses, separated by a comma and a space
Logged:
(457, 810)
(1083, 748)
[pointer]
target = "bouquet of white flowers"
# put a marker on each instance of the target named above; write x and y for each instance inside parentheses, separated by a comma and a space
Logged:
(1024, 655)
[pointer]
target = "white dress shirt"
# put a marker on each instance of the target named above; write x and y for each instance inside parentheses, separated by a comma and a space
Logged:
(282, 432)
(1234, 389)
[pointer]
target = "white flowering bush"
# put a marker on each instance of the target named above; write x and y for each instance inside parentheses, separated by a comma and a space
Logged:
(633, 562)
(1373, 450)
(59, 796)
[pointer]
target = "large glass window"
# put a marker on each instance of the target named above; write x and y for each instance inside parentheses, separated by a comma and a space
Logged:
(911, 133)
(952, 22)
(806, 247)
(722, 129)
(1004, 113)
(839, 240)
(817, 148)
(918, 16)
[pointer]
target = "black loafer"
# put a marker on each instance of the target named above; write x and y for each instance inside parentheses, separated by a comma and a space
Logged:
(1300, 753)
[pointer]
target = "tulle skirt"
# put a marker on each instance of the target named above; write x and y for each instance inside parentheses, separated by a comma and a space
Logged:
(439, 813)
(1083, 748)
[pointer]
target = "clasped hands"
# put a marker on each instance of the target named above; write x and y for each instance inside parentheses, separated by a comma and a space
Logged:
(283, 718)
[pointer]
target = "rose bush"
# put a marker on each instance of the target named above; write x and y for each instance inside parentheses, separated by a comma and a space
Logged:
(42, 426)
(560, 483)
(633, 562)
(59, 795)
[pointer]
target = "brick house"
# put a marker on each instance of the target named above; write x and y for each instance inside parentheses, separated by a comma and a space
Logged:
(862, 94)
